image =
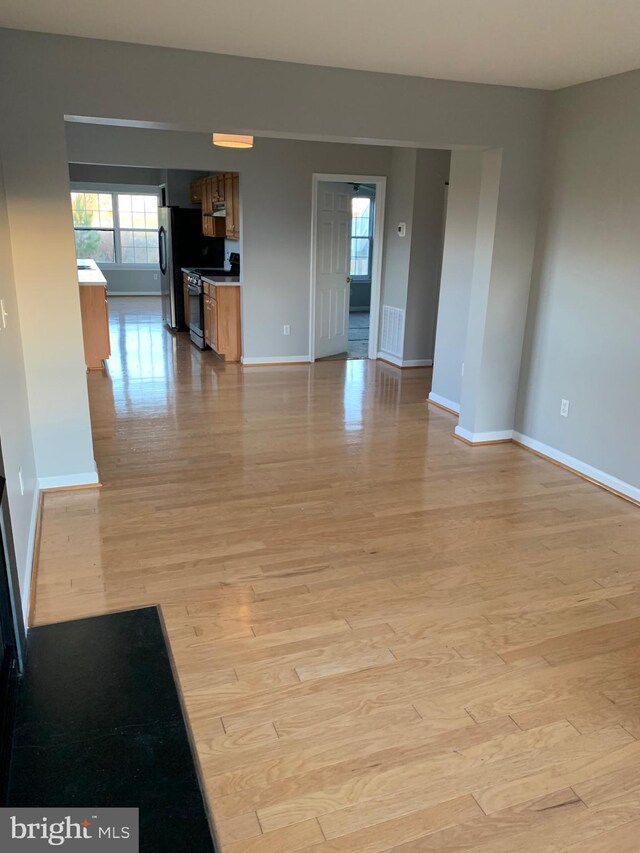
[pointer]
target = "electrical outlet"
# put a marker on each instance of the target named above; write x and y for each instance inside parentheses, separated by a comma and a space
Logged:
(21, 481)
(155, 276)
(462, 369)
(286, 330)
(564, 408)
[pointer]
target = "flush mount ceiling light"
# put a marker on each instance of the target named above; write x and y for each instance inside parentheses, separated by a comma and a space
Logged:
(232, 140)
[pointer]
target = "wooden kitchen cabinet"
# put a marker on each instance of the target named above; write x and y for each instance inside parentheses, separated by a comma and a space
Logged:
(95, 325)
(213, 226)
(219, 193)
(217, 190)
(185, 291)
(222, 320)
(210, 321)
(232, 205)
(196, 191)
(207, 207)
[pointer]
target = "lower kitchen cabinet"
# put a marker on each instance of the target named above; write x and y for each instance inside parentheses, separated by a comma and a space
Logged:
(222, 330)
(185, 296)
(95, 325)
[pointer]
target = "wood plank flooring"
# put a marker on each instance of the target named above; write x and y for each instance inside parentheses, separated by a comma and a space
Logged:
(387, 640)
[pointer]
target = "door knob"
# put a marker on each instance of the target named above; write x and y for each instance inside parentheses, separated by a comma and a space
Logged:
(348, 279)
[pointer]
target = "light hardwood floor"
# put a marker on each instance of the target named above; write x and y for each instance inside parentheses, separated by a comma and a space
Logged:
(387, 640)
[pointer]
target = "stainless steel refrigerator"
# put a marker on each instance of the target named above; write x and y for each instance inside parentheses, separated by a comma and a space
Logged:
(181, 243)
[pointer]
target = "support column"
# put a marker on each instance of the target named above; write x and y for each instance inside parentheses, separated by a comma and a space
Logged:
(39, 213)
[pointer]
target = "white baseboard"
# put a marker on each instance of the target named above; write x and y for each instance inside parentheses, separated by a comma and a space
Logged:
(442, 401)
(407, 362)
(25, 592)
(67, 481)
(595, 474)
(133, 293)
(277, 359)
(483, 437)
(386, 356)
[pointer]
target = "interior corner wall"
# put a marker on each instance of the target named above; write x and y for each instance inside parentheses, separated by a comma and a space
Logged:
(397, 250)
(432, 173)
(582, 342)
(15, 426)
(457, 273)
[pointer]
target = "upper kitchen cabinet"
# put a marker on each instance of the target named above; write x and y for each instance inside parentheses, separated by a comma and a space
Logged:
(196, 191)
(232, 205)
(220, 199)
(219, 188)
(212, 225)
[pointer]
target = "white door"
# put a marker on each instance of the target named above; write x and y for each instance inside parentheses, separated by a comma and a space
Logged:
(333, 266)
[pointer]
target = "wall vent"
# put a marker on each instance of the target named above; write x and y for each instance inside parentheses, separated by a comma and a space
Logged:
(392, 330)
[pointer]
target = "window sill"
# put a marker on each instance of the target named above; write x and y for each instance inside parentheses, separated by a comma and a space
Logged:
(128, 267)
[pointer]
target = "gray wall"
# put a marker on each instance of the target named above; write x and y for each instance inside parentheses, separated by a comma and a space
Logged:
(56, 76)
(399, 208)
(583, 339)
(15, 426)
(411, 264)
(432, 172)
(127, 282)
(177, 183)
(92, 174)
(457, 273)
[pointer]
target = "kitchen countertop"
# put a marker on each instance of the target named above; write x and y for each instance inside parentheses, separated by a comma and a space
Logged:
(91, 276)
(222, 280)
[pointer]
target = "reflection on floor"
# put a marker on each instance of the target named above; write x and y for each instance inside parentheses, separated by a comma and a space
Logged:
(358, 334)
(386, 639)
(358, 346)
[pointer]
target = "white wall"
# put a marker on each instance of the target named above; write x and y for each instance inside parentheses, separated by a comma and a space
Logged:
(583, 338)
(15, 427)
(46, 78)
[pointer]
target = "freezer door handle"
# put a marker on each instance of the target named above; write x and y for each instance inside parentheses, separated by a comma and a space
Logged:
(162, 249)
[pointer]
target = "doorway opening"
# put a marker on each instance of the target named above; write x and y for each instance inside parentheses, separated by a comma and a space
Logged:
(346, 252)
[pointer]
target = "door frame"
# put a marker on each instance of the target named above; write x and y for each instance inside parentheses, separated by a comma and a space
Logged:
(380, 182)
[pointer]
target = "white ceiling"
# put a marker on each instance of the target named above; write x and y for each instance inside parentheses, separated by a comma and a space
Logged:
(539, 43)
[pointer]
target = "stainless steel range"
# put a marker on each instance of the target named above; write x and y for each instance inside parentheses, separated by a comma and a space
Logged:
(196, 309)
(196, 295)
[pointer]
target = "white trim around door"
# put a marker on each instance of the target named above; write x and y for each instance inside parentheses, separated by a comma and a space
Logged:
(380, 183)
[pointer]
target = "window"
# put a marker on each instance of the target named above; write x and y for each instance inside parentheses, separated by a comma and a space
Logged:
(361, 236)
(116, 227)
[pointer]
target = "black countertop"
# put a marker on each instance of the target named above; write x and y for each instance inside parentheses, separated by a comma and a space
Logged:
(202, 271)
